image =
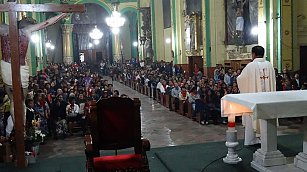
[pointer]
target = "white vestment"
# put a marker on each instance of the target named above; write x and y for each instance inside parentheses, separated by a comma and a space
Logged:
(257, 76)
(240, 23)
(7, 74)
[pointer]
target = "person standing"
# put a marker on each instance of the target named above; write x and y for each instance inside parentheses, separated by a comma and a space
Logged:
(257, 76)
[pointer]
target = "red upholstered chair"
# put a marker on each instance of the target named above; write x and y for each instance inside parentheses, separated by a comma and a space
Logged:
(116, 125)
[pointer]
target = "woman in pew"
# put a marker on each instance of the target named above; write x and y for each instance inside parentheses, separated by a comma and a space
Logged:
(192, 98)
(211, 109)
(183, 96)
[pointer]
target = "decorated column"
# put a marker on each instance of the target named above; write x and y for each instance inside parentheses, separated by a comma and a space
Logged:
(287, 35)
(117, 48)
(67, 43)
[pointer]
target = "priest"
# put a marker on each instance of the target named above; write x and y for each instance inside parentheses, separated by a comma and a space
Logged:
(257, 76)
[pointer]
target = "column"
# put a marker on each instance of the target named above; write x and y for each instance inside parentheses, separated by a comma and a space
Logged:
(117, 49)
(180, 31)
(67, 43)
(206, 33)
(157, 29)
(141, 4)
(287, 35)
(217, 31)
(274, 36)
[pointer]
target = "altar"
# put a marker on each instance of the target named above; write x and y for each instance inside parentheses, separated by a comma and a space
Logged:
(266, 107)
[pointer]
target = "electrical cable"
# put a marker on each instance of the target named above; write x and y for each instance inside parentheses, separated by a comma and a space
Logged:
(163, 163)
(212, 162)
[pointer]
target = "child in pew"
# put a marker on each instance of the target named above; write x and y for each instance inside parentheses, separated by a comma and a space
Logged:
(183, 96)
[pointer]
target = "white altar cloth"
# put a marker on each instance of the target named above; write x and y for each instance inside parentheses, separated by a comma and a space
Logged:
(266, 105)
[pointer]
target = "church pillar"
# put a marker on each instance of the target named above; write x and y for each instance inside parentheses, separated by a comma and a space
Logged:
(157, 29)
(142, 5)
(117, 49)
(287, 35)
(67, 43)
(140, 47)
(178, 31)
(206, 34)
(217, 31)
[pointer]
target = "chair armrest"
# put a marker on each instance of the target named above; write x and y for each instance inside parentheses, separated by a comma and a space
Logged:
(145, 145)
(88, 143)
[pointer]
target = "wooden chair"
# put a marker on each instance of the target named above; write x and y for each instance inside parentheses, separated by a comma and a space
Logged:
(181, 107)
(116, 125)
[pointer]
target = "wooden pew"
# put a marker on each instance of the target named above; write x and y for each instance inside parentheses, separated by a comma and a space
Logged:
(158, 95)
(181, 107)
(190, 110)
(167, 100)
(162, 99)
(145, 90)
(172, 105)
(150, 92)
(154, 93)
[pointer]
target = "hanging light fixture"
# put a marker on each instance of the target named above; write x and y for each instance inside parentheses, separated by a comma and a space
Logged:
(96, 41)
(115, 21)
(115, 30)
(48, 44)
(96, 33)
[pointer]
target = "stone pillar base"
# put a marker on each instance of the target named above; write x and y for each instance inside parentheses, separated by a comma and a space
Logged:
(300, 161)
(268, 159)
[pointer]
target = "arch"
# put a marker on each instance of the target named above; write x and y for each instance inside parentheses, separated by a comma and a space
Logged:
(100, 3)
(129, 8)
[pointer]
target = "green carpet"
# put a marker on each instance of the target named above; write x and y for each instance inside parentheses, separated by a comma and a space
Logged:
(186, 158)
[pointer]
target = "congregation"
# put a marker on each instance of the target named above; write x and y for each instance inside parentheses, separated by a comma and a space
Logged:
(56, 102)
(202, 92)
(57, 96)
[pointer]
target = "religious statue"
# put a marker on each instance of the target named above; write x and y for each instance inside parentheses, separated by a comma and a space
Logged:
(26, 26)
(240, 18)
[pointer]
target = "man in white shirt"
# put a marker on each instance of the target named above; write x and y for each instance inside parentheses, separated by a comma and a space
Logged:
(257, 76)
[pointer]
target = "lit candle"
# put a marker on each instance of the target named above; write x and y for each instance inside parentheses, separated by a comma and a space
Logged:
(231, 121)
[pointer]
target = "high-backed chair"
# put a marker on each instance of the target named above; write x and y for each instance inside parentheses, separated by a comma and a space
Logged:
(116, 125)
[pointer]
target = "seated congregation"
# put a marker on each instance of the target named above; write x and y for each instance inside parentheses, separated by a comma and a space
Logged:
(194, 95)
(56, 106)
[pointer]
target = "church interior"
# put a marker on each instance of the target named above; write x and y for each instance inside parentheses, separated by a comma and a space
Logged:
(153, 85)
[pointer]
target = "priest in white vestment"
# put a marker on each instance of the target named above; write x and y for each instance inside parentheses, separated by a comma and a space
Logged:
(257, 76)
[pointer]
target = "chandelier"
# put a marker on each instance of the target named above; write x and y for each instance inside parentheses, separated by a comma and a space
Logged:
(96, 33)
(115, 21)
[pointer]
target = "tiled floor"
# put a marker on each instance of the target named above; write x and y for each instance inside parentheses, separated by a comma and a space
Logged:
(161, 126)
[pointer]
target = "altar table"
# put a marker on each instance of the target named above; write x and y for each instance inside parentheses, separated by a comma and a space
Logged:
(266, 107)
